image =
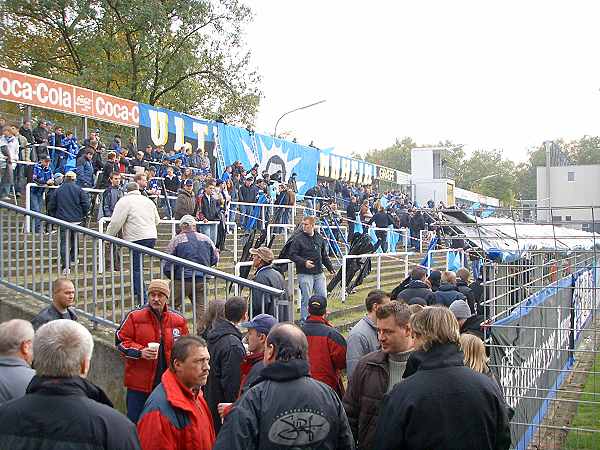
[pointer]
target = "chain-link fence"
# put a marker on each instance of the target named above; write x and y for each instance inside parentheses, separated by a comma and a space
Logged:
(539, 309)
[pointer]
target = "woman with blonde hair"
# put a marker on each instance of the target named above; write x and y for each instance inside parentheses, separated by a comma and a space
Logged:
(475, 356)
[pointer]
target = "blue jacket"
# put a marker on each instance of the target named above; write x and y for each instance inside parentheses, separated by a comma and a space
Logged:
(191, 246)
(85, 173)
(70, 202)
(446, 294)
(71, 146)
(41, 176)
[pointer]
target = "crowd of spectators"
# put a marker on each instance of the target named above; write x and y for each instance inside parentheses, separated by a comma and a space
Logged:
(254, 383)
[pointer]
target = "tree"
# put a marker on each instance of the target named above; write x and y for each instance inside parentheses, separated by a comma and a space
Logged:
(396, 156)
(488, 173)
(187, 55)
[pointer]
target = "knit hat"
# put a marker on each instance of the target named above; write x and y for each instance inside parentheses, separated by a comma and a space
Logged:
(460, 309)
(161, 286)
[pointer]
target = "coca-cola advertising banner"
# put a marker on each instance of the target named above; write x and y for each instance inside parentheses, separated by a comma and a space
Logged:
(36, 91)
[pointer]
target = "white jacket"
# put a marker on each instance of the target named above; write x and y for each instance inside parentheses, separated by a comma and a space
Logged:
(136, 215)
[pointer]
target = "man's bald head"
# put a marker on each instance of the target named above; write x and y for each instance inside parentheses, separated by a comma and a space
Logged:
(288, 342)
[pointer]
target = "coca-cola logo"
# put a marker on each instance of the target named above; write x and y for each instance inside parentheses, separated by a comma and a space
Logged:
(83, 103)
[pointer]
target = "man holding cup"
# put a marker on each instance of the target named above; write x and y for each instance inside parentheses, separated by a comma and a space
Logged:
(145, 338)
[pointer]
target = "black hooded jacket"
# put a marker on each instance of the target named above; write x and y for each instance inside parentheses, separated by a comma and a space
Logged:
(445, 405)
(417, 288)
(226, 354)
(286, 408)
(65, 413)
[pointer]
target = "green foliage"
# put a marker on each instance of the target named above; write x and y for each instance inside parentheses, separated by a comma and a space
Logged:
(187, 55)
(395, 157)
(487, 172)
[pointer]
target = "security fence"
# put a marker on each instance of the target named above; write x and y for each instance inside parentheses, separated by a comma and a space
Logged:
(539, 310)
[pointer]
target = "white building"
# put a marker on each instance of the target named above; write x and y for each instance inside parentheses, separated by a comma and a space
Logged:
(433, 180)
(568, 194)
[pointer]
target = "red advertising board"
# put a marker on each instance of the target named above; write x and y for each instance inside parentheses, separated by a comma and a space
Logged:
(36, 91)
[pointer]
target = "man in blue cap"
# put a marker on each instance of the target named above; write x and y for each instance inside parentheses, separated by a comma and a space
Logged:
(258, 330)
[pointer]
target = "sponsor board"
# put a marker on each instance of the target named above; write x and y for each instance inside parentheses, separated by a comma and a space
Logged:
(44, 93)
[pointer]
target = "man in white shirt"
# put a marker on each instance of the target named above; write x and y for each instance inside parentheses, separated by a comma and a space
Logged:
(136, 217)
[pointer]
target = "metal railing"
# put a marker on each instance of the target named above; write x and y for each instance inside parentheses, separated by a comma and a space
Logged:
(289, 303)
(30, 262)
(174, 223)
(378, 256)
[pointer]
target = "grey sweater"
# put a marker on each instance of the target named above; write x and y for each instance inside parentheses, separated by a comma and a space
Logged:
(362, 340)
(15, 376)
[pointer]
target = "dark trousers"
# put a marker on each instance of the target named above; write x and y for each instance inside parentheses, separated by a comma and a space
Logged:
(135, 404)
(63, 247)
(381, 241)
(138, 289)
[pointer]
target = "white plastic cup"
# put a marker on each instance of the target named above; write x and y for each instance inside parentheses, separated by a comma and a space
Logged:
(154, 346)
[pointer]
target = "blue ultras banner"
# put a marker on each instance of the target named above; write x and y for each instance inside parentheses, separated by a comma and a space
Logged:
(160, 126)
(270, 154)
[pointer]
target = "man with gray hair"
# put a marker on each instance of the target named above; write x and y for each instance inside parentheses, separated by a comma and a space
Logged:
(136, 217)
(16, 354)
(285, 407)
(195, 247)
(61, 409)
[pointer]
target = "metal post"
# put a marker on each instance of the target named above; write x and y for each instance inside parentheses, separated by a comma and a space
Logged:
(378, 272)
(343, 285)
(85, 127)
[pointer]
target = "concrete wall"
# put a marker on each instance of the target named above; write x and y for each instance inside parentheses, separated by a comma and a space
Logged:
(583, 191)
(107, 366)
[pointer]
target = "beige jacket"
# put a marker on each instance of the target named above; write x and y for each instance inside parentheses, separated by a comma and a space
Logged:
(136, 216)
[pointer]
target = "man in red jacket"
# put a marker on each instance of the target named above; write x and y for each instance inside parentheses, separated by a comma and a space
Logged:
(326, 346)
(176, 416)
(137, 338)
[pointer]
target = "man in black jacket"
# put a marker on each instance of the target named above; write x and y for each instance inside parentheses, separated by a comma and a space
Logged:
(445, 405)
(417, 287)
(226, 354)
(448, 292)
(61, 409)
(351, 211)
(285, 407)
(382, 220)
(248, 193)
(309, 252)
(71, 204)
(63, 299)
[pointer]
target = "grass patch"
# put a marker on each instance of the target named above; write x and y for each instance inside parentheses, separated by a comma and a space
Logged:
(588, 414)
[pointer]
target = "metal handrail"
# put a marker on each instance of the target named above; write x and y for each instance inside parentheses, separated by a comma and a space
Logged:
(139, 248)
(32, 260)
(378, 256)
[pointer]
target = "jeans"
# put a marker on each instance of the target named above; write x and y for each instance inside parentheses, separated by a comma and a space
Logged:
(247, 211)
(209, 229)
(310, 285)
(72, 247)
(37, 201)
(138, 289)
(135, 404)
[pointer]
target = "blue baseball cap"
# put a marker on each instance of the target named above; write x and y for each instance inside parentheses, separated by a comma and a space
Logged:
(261, 323)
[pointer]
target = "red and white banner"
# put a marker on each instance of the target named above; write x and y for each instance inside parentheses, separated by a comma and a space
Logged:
(36, 91)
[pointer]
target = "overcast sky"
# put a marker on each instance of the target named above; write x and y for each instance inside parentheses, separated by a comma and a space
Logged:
(505, 75)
